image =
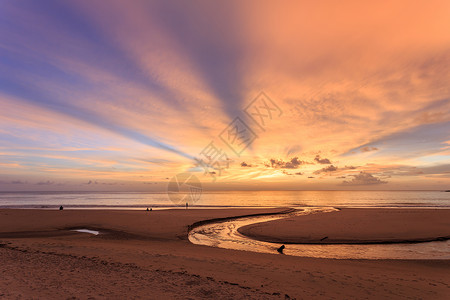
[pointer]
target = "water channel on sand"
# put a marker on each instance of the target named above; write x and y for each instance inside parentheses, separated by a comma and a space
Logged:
(224, 234)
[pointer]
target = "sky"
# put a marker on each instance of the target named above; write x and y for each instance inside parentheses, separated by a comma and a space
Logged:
(245, 95)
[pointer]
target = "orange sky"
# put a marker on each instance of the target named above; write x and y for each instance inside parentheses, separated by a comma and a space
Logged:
(120, 96)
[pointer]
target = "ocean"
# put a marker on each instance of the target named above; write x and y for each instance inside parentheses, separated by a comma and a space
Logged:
(139, 200)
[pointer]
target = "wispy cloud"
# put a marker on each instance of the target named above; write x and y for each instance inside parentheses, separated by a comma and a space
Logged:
(95, 90)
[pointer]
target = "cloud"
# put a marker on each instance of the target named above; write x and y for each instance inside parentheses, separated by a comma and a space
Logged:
(18, 182)
(196, 169)
(14, 182)
(364, 178)
(417, 141)
(368, 149)
(292, 150)
(48, 182)
(217, 54)
(147, 71)
(244, 164)
(324, 161)
(328, 169)
(294, 163)
(404, 170)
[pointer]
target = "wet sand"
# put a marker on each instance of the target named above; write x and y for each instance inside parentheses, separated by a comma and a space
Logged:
(356, 226)
(147, 255)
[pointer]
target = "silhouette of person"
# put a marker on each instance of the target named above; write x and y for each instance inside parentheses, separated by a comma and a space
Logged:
(187, 205)
(61, 207)
(147, 208)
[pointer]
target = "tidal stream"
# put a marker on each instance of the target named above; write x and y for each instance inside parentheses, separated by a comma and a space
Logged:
(224, 234)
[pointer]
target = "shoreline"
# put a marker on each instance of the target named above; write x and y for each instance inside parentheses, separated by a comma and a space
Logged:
(182, 207)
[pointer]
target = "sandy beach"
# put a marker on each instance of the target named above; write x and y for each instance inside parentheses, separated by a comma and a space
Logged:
(147, 255)
(356, 226)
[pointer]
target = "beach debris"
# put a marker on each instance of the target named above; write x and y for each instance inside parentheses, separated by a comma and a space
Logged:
(323, 239)
(61, 207)
(280, 250)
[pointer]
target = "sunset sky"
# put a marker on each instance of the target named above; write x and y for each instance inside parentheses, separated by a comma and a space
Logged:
(124, 95)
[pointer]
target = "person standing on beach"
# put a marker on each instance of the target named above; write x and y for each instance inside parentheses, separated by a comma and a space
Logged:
(187, 205)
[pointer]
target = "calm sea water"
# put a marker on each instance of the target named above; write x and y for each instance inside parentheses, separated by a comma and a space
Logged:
(429, 199)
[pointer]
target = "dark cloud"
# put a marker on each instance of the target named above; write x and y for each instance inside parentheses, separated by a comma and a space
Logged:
(287, 173)
(323, 161)
(368, 149)
(48, 182)
(13, 182)
(328, 169)
(244, 164)
(18, 182)
(363, 178)
(294, 163)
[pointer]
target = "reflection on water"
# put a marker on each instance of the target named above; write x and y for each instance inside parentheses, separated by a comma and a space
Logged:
(225, 235)
(94, 232)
